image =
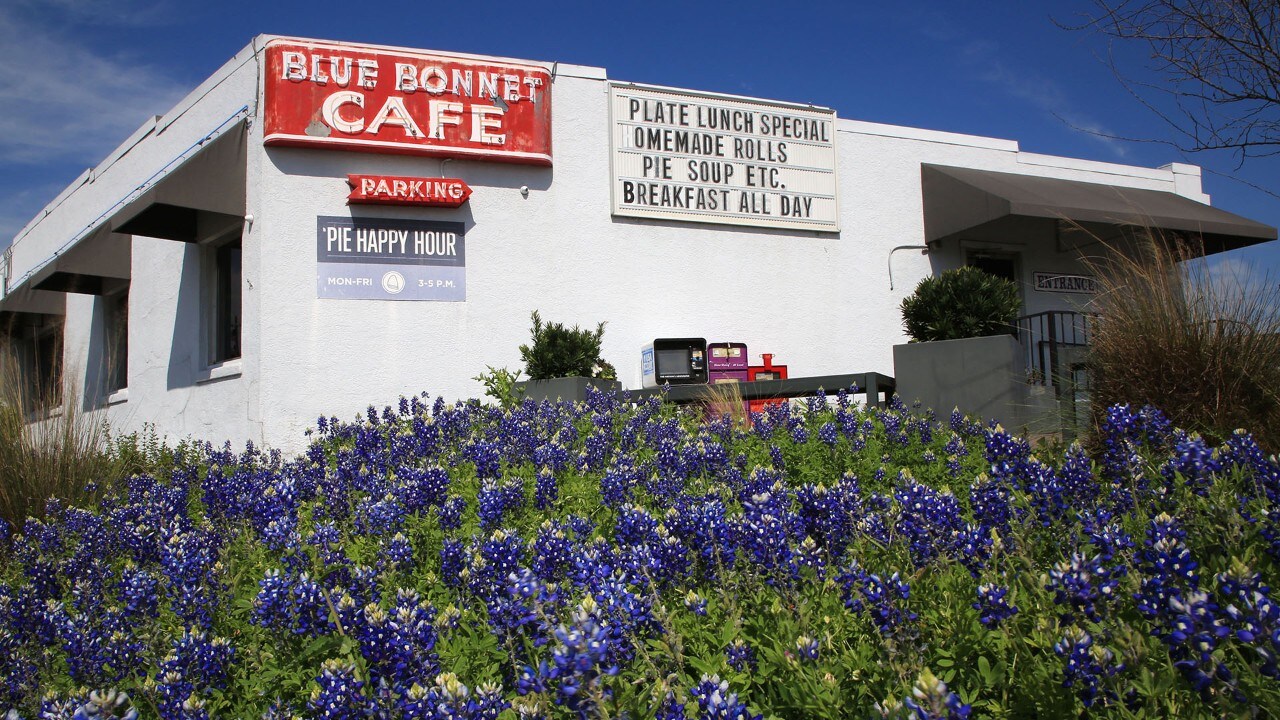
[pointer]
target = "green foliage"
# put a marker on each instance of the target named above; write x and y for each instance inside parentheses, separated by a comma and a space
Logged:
(1006, 671)
(557, 351)
(500, 384)
(960, 303)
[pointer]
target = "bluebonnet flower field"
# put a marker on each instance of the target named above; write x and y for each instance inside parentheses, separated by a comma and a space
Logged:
(610, 559)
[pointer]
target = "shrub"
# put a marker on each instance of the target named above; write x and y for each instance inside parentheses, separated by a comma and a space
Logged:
(960, 303)
(557, 351)
(1206, 351)
(500, 384)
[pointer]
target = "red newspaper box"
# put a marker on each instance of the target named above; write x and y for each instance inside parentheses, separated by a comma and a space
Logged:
(767, 371)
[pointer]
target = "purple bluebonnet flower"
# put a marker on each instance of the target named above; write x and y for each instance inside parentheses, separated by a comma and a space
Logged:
(715, 702)
(1082, 584)
(492, 563)
(763, 530)
(1194, 461)
(992, 607)
(293, 603)
(449, 699)
(487, 457)
(580, 661)
(928, 519)
(187, 559)
(546, 489)
(103, 704)
(397, 551)
(931, 700)
(421, 488)
(806, 648)
(1252, 614)
(139, 591)
(882, 599)
(498, 498)
(740, 656)
(695, 603)
(1087, 665)
(551, 549)
(337, 695)
(1168, 570)
(450, 513)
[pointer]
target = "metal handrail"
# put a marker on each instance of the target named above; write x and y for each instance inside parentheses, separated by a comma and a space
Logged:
(1048, 341)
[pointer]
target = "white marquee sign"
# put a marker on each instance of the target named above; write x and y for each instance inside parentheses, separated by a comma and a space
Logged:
(678, 155)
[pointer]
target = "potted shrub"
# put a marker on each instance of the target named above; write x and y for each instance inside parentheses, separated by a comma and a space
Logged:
(562, 362)
(963, 352)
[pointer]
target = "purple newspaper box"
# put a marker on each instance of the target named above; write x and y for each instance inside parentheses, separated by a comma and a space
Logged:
(726, 362)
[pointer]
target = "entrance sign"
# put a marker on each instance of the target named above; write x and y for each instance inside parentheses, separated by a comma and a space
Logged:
(1059, 283)
(383, 259)
(399, 190)
(350, 97)
(679, 155)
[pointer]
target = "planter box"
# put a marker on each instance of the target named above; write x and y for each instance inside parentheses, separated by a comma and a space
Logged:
(568, 389)
(984, 377)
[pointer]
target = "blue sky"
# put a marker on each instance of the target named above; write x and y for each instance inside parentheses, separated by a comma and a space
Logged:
(78, 76)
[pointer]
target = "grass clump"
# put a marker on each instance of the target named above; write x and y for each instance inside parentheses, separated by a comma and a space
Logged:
(49, 447)
(1204, 349)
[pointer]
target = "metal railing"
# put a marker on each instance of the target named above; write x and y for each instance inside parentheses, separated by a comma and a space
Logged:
(1054, 344)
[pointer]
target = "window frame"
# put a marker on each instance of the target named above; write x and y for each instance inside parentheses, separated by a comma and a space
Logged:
(115, 334)
(222, 285)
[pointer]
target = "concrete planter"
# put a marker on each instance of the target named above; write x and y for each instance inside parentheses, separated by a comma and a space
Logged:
(983, 376)
(568, 389)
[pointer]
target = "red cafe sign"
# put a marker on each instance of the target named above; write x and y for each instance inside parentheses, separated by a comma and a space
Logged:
(367, 99)
(397, 190)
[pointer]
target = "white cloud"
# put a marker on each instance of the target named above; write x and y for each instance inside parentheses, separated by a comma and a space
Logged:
(1042, 93)
(65, 102)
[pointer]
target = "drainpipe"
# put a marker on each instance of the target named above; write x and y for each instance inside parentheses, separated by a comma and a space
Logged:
(924, 250)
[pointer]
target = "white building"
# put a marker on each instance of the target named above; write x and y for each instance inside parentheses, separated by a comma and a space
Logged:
(207, 276)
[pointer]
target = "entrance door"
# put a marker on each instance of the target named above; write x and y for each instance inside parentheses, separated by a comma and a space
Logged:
(1003, 265)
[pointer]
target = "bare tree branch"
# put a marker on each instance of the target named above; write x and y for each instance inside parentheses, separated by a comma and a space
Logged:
(1219, 67)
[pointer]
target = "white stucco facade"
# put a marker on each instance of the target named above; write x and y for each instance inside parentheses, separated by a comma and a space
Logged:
(821, 302)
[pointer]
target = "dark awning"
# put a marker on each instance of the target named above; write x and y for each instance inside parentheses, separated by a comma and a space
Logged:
(957, 200)
(203, 197)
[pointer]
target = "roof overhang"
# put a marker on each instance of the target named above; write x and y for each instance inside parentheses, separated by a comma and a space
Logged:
(960, 202)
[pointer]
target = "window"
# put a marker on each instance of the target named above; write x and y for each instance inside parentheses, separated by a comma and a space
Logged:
(115, 329)
(222, 294)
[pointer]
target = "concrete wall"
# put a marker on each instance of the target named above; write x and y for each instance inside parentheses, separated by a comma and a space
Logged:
(821, 303)
(982, 376)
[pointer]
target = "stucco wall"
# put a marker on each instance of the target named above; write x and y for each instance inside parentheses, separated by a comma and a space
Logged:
(821, 303)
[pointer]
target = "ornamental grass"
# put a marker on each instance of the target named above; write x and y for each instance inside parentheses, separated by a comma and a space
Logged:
(49, 447)
(1203, 348)
(609, 559)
